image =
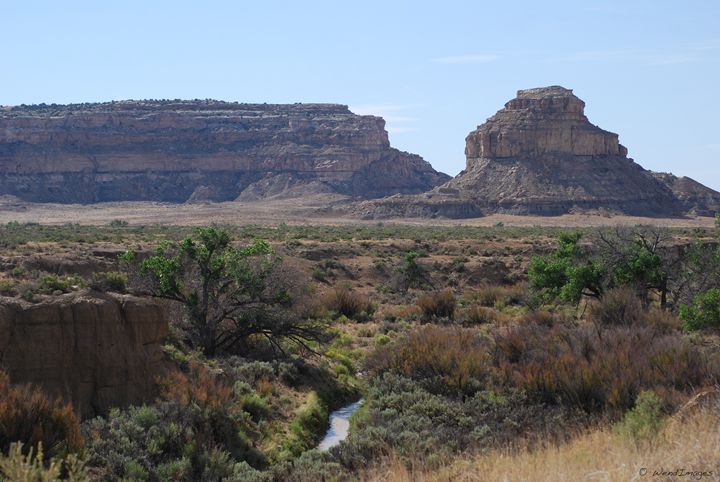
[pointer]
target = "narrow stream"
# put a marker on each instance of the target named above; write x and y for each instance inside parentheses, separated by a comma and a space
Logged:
(339, 426)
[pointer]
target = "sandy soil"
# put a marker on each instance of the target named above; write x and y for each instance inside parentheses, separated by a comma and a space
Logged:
(305, 211)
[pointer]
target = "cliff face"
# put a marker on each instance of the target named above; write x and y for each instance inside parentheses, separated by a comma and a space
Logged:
(207, 150)
(540, 155)
(95, 350)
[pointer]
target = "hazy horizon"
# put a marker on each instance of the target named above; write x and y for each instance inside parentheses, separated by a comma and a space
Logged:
(646, 70)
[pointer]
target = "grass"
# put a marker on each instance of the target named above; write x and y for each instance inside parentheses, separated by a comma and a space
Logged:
(600, 455)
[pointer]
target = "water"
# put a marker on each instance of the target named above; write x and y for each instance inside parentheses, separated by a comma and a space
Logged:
(339, 426)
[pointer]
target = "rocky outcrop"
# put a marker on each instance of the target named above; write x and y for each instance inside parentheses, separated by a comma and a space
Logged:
(200, 150)
(696, 198)
(541, 156)
(96, 350)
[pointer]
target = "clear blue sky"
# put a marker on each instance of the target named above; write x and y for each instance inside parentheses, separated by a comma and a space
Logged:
(648, 70)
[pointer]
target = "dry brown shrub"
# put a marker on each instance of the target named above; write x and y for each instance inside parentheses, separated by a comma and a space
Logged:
(497, 295)
(200, 385)
(618, 307)
(29, 416)
(541, 317)
(349, 303)
(599, 370)
(478, 315)
(446, 359)
(438, 304)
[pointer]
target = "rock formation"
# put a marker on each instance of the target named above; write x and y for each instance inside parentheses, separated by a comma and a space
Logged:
(695, 198)
(175, 151)
(541, 156)
(95, 350)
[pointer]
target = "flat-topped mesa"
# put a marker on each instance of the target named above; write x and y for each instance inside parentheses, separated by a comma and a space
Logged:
(541, 156)
(176, 150)
(539, 122)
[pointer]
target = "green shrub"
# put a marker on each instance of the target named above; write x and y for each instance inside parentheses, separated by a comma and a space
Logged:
(255, 405)
(109, 281)
(703, 313)
(15, 466)
(319, 275)
(422, 428)
(52, 282)
(7, 287)
(409, 274)
(196, 431)
(645, 420)
(27, 290)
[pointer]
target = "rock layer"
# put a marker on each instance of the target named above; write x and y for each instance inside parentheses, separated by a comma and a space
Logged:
(205, 150)
(541, 156)
(95, 350)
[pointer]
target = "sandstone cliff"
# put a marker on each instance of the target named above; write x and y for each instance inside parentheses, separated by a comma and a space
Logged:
(96, 350)
(541, 156)
(200, 150)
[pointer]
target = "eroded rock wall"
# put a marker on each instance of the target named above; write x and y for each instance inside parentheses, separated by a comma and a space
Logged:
(95, 350)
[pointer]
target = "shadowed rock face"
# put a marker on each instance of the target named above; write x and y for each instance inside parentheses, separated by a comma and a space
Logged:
(541, 156)
(201, 150)
(95, 350)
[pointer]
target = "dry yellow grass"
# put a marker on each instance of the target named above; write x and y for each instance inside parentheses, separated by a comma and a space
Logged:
(686, 450)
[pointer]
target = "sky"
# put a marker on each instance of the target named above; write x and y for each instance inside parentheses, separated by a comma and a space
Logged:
(647, 70)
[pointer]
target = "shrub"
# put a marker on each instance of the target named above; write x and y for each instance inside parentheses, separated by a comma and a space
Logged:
(422, 428)
(52, 282)
(477, 315)
(33, 468)
(7, 287)
(196, 431)
(497, 295)
(349, 303)
(703, 313)
(445, 360)
(28, 416)
(645, 420)
(199, 386)
(598, 369)
(541, 317)
(618, 306)
(438, 304)
(109, 281)
(27, 290)
(409, 274)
